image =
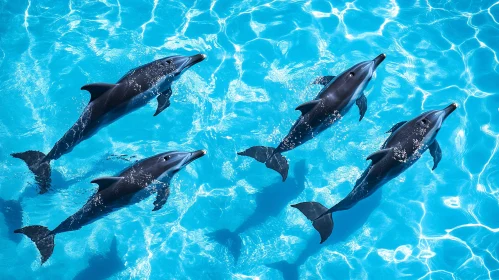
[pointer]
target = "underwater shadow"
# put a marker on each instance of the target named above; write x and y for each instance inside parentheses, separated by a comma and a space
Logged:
(270, 201)
(13, 215)
(345, 224)
(103, 266)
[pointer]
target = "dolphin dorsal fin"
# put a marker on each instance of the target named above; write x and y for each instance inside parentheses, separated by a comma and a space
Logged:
(97, 89)
(105, 182)
(377, 156)
(307, 106)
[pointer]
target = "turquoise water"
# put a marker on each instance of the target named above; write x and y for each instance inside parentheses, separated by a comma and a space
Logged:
(261, 58)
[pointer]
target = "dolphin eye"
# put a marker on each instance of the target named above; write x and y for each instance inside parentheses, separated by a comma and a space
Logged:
(425, 121)
(168, 157)
(351, 74)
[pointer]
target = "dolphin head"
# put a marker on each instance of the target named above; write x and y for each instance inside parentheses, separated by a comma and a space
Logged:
(174, 161)
(360, 74)
(429, 123)
(176, 65)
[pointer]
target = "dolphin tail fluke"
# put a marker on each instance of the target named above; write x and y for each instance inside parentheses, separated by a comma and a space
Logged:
(321, 219)
(272, 160)
(231, 240)
(289, 271)
(43, 238)
(39, 166)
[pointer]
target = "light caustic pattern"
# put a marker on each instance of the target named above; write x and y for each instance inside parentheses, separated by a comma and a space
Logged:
(262, 57)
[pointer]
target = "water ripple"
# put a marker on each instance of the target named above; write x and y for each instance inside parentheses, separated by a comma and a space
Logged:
(262, 57)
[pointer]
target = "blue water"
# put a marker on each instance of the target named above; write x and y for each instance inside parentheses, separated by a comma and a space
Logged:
(262, 57)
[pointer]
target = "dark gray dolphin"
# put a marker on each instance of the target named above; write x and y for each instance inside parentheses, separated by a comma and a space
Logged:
(333, 101)
(406, 144)
(109, 102)
(151, 175)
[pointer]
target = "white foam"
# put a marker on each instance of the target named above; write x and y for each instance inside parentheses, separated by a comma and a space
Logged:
(257, 27)
(426, 254)
(240, 92)
(386, 255)
(228, 171)
(402, 253)
(452, 202)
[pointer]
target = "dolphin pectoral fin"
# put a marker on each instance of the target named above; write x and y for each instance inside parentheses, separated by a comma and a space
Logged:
(396, 126)
(161, 198)
(377, 156)
(307, 106)
(362, 104)
(323, 80)
(436, 153)
(97, 89)
(163, 101)
(105, 182)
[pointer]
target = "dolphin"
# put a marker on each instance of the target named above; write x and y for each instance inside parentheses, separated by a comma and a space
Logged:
(334, 100)
(132, 185)
(108, 103)
(405, 145)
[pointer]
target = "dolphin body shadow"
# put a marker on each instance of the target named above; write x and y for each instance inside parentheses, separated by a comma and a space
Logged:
(346, 223)
(103, 266)
(269, 203)
(13, 214)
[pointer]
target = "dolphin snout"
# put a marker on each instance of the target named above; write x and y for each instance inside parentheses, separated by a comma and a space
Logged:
(188, 61)
(377, 61)
(197, 58)
(195, 155)
(449, 109)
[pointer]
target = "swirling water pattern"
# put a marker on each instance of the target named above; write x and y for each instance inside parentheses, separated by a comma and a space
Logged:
(262, 56)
